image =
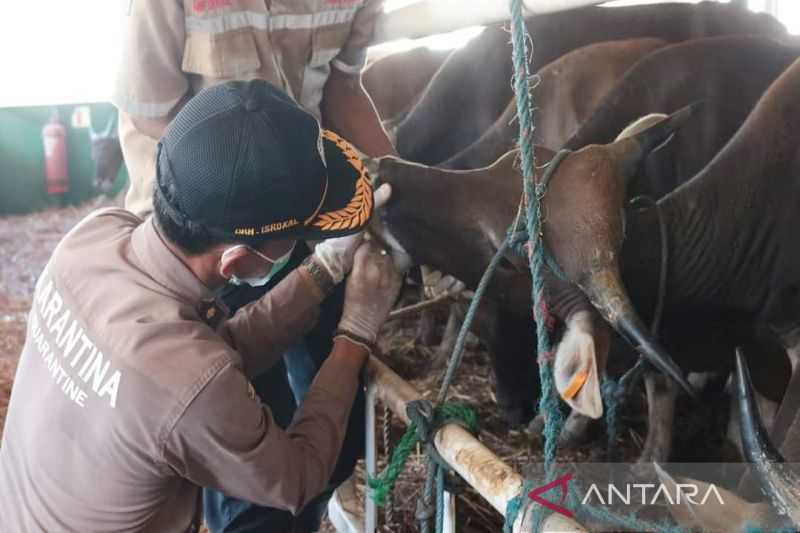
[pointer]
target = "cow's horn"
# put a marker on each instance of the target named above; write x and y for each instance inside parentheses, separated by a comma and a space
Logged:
(654, 136)
(608, 295)
(779, 482)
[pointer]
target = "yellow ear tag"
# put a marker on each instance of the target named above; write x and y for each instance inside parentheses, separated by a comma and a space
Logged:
(576, 384)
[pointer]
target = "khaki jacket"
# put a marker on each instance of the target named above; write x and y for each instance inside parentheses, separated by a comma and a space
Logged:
(132, 391)
(175, 48)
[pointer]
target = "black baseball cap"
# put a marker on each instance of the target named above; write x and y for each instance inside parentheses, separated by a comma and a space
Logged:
(242, 161)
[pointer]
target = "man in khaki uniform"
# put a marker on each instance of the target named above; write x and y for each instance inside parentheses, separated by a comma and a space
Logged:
(313, 50)
(132, 390)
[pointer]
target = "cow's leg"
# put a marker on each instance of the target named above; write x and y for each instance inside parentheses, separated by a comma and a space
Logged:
(661, 395)
(780, 401)
(516, 375)
(426, 329)
(787, 436)
(451, 331)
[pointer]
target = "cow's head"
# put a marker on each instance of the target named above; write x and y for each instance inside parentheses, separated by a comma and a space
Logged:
(453, 221)
(584, 228)
(106, 154)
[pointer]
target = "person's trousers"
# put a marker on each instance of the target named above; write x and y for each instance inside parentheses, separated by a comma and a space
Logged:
(282, 388)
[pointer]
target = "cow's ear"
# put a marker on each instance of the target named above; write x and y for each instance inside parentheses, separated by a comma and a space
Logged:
(634, 148)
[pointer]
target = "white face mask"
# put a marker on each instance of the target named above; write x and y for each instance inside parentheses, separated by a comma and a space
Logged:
(259, 281)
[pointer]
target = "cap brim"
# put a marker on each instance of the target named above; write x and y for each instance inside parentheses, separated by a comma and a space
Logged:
(348, 204)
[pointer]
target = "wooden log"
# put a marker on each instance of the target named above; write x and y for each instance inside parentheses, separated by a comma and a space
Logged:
(492, 478)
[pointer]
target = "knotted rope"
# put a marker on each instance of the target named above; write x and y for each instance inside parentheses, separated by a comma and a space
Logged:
(538, 258)
(548, 400)
(416, 432)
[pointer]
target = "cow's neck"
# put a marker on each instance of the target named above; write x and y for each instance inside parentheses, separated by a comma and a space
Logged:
(727, 226)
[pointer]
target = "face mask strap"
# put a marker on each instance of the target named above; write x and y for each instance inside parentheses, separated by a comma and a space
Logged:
(284, 257)
(276, 266)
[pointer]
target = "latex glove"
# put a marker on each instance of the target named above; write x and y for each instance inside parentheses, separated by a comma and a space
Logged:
(436, 284)
(370, 293)
(336, 255)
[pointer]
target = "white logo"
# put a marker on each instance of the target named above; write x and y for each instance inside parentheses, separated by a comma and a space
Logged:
(660, 494)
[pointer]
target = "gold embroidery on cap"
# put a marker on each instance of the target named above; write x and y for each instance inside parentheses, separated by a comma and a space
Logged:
(356, 213)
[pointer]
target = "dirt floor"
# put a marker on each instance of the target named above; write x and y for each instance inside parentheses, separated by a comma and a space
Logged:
(25, 246)
(27, 241)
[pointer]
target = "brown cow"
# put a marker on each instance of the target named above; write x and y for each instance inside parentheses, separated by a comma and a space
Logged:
(731, 237)
(568, 92)
(394, 82)
(666, 79)
(472, 87)
(431, 236)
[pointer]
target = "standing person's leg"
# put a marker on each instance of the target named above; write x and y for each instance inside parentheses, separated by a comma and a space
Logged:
(229, 515)
(318, 345)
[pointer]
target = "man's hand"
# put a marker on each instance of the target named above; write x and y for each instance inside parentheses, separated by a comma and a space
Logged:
(336, 255)
(370, 293)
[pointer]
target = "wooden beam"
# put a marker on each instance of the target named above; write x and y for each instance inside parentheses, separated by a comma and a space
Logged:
(431, 17)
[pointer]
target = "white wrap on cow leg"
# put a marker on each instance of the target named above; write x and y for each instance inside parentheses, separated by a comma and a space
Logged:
(575, 367)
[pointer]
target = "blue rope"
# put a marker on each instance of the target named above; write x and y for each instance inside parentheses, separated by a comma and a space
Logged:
(439, 499)
(458, 350)
(548, 400)
(515, 504)
(434, 470)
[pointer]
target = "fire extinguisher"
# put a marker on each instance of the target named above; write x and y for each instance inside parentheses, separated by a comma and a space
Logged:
(54, 138)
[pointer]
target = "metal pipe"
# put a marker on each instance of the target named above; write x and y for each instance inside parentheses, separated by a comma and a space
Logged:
(493, 479)
(370, 458)
(431, 17)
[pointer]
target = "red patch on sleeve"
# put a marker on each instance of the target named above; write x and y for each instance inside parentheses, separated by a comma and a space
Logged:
(200, 6)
